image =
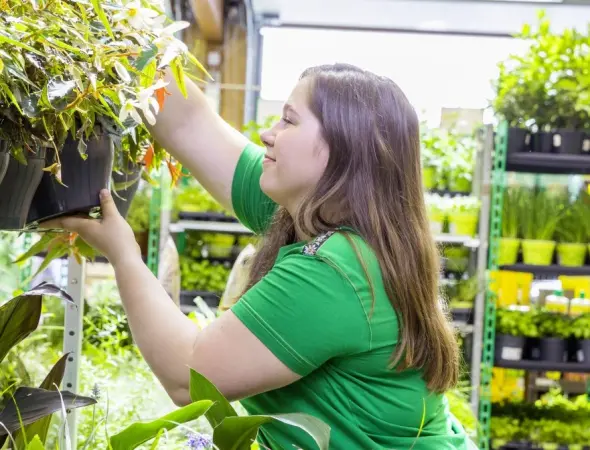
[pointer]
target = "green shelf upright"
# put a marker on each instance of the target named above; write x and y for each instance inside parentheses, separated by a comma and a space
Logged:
(498, 183)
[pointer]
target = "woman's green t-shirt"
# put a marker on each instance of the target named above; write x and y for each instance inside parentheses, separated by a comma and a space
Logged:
(314, 311)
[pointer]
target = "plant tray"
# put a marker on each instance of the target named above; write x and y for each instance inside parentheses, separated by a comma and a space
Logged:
(548, 163)
(206, 216)
(543, 366)
(211, 298)
(553, 269)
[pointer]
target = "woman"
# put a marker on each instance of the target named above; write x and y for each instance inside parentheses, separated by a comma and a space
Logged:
(341, 318)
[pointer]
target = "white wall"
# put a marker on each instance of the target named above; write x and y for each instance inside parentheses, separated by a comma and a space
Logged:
(464, 16)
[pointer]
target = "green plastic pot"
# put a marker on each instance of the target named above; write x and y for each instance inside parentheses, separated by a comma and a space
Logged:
(429, 177)
(460, 185)
(572, 255)
(463, 224)
(437, 221)
(537, 252)
(508, 251)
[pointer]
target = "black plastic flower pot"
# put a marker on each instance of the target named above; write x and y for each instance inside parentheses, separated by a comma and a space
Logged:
(568, 141)
(83, 180)
(211, 298)
(583, 353)
(586, 143)
(124, 188)
(18, 188)
(553, 349)
(508, 347)
(4, 158)
(542, 142)
(518, 140)
(532, 349)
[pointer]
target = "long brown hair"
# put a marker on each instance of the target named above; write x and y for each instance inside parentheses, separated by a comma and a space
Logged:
(374, 180)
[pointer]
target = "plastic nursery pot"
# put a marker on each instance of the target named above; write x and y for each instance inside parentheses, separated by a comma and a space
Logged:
(460, 185)
(221, 246)
(542, 142)
(4, 158)
(583, 353)
(573, 255)
(83, 180)
(553, 349)
(429, 177)
(537, 252)
(568, 141)
(18, 188)
(508, 347)
(463, 224)
(124, 187)
(519, 140)
(508, 251)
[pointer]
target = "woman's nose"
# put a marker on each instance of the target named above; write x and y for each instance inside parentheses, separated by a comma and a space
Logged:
(268, 138)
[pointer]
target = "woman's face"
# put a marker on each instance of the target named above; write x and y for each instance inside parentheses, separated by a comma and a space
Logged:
(296, 154)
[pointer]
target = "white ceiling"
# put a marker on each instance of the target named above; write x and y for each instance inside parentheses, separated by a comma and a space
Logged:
(475, 16)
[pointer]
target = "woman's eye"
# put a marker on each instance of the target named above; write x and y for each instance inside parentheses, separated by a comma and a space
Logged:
(286, 120)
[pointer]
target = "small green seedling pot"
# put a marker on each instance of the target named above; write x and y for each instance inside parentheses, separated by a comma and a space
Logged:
(572, 255)
(437, 221)
(463, 224)
(460, 185)
(537, 252)
(429, 177)
(508, 251)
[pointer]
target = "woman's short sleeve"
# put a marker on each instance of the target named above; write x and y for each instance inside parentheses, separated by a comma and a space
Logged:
(252, 207)
(305, 312)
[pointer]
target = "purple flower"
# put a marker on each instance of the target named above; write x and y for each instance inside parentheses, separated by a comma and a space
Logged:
(198, 441)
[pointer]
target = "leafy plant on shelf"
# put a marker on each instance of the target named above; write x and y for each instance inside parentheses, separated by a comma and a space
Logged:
(139, 212)
(572, 226)
(541, 216)
(516, 323)
(194, 198)
(553, 325)
(203, 275)
(580, 327)
(511, 210)
(31, 406)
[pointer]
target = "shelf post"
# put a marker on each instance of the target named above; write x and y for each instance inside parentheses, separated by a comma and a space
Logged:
(73, 330)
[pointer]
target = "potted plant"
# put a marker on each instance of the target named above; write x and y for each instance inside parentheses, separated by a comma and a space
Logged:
(554, 330)
(580, 329)
(432, 149)
(436, 206)
(460, 163)
(87, 73)
(571, 234)
(538, 224)
(513, 327)
(463, 215)
(510, 242)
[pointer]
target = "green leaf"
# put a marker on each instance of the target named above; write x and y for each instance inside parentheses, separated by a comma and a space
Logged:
(40, 428)
(28, 405)
(1, 65)
(35, 444)
(18, 318)
(103, 17)
(238, 433)
(197, 63)
(157, 440)
(36, 248)
(141, 432)
(54, 252)
(16, 43)
(178, 74)
(146, 57)
(200, 388)
(11, 96)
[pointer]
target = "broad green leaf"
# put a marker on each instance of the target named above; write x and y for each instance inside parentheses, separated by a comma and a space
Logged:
(103, 17)
(141, 432)
(197, 63)
(146, 57)
(200, 388)
(35, 444)
(55, 252)
(40, 428)
(36, 248)
(31, 404)
(178, 73)
(11, 96)
(18, 318)
(238, 433)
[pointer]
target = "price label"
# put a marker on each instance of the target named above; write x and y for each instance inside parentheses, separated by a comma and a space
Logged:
(512, 353)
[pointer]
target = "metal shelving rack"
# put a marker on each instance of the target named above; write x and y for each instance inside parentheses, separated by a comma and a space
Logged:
(495, 152)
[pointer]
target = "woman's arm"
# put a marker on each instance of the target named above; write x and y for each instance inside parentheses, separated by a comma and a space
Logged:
(191, 131)
(226, 352)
